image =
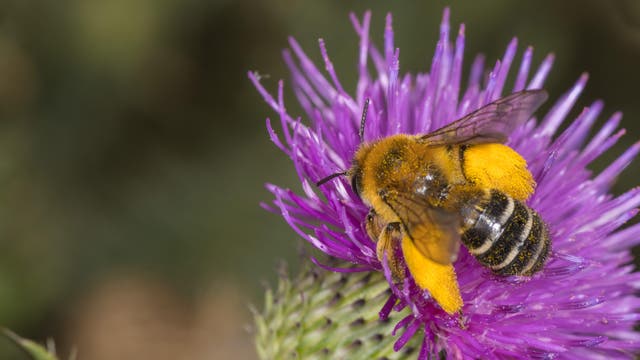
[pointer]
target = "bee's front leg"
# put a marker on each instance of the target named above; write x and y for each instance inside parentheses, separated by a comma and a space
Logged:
(374, 225)
(389, 240)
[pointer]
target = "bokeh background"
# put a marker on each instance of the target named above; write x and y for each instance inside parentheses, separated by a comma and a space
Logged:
(133, 151)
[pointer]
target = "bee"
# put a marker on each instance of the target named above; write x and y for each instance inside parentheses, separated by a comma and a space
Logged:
(429, 193)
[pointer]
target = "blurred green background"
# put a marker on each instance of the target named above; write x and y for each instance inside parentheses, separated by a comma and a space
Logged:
(133, 151)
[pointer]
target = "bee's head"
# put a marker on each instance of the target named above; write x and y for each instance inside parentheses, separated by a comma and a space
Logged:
(355, 173)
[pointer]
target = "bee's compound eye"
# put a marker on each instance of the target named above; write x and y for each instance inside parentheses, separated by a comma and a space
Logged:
(356, 183)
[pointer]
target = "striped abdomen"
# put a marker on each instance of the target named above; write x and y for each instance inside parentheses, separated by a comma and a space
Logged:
(505, 235)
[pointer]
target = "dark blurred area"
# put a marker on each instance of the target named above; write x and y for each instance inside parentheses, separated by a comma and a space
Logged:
(133, 152)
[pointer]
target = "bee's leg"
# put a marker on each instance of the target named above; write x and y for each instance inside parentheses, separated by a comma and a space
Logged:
(389, 243)
(374, 225)
(389, 238)
(439, 279)
(462, 322)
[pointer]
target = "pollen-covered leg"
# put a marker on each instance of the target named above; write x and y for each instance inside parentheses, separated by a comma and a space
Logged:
(440, 280)
(508, 171)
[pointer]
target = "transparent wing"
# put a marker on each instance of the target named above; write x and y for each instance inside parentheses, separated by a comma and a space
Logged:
(492, 123)
(433, 231)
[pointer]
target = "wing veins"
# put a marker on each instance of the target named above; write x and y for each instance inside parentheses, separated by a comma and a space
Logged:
(493, 122)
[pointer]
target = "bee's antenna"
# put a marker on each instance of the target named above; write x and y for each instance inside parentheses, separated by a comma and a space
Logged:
(324, 180)
(364, 118)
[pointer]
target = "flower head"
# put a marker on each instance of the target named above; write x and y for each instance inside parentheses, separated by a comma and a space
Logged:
(581, 305)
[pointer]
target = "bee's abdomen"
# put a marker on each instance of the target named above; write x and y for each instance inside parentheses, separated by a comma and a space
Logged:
(506, 235)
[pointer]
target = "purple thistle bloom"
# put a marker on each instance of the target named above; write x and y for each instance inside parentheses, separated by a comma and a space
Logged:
(580, 306)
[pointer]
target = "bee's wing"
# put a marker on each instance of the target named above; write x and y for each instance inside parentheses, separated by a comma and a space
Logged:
(435, 232)
(492, 123)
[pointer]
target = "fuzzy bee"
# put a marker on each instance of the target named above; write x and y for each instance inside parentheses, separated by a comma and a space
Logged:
(458, 184)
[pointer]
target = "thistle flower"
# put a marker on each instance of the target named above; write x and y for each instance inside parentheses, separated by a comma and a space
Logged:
(581, 305)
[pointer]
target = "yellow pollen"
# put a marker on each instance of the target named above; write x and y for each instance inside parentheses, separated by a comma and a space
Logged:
(440, 280)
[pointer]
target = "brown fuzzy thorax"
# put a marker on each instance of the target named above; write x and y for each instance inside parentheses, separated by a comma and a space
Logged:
(396, 163)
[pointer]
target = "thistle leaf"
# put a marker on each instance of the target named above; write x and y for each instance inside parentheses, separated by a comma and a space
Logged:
(33, 349)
